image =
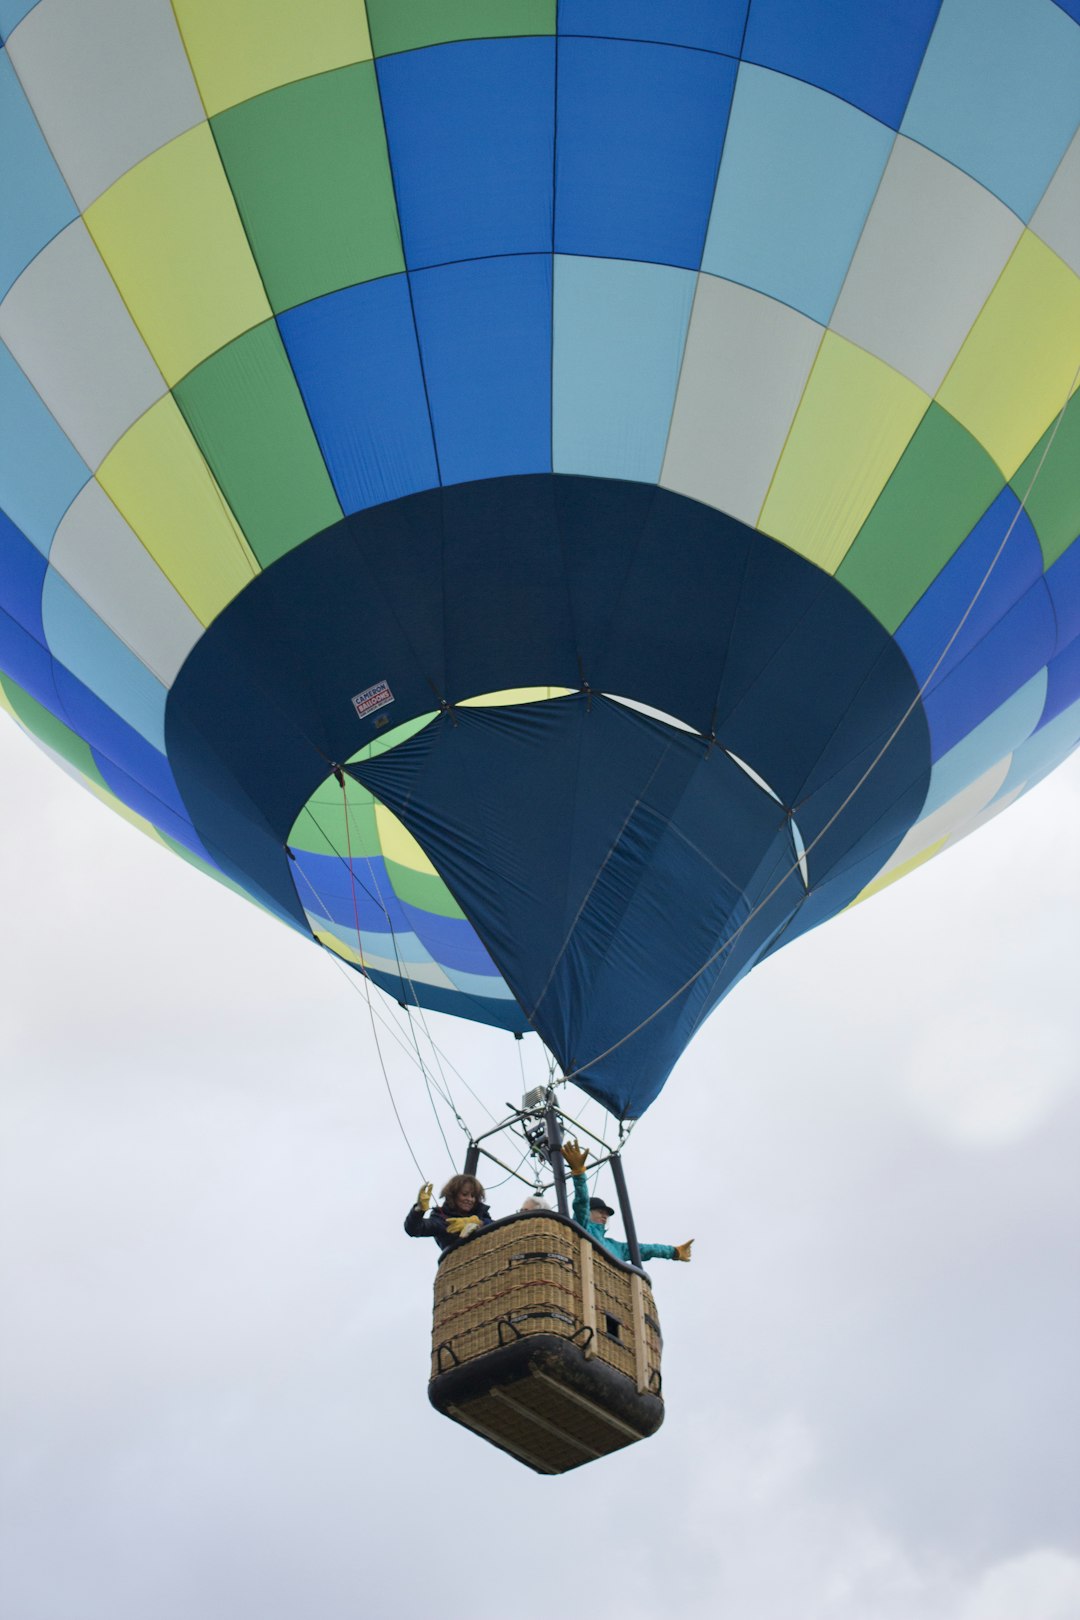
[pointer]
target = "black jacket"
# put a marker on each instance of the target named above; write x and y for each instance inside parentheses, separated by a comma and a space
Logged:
(433, 1225)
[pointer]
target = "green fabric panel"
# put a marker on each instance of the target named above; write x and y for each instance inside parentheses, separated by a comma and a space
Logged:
(309, 169)
(405, 25)
(1054, 504)
(423, 890)
(942, 485)
(320, 826)
(245, 410)
(390, 739)
(53, 732)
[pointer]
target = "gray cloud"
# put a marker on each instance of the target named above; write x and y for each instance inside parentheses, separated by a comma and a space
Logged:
(212, 1372)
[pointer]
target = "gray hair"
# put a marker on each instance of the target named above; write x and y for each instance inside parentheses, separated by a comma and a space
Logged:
(531, 1205)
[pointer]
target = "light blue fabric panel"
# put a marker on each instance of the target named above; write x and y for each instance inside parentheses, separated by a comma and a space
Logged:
(620, 329)
(375, 944)
(999, 734)
(478, 984)
(40, 471)
(798, 176)
(997, 94)
(1044, 751)
(88, 648)
(12, 13)
(34, 200)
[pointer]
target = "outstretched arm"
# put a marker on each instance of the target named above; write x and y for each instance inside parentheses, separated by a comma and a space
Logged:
(575, 1157)
(666, 1251)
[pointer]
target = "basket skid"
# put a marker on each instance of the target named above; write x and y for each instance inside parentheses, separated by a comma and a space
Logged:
(540, 1400)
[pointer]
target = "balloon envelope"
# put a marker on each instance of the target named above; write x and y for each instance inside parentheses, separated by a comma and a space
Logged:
(553, 501)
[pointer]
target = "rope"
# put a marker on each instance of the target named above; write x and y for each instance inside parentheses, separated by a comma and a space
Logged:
(340, 774)
(875, 762)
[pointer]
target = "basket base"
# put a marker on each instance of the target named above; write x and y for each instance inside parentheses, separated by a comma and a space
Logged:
(543, 1402)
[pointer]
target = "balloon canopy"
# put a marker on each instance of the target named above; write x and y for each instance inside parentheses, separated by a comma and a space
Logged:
(553, 500)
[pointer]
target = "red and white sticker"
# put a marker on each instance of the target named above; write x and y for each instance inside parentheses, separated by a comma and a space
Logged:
(372, 698)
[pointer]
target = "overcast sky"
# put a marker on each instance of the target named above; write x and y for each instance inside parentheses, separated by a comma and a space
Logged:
(215, 1334)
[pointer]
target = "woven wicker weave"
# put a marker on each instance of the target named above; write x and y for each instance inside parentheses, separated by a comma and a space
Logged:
(545, 1344)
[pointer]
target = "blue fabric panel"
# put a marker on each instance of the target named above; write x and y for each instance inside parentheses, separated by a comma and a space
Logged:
(144, 803)
(619, 336)
(27, 661)
(356, 362)
(12, 13)
(478, 1009)
(470, 128)
(799, 173)
(999, 734)
(1071, 8)
(485, 338)
(366, 892)
(1008, 656)
(40, 471)
(113, 741)
(451, 940)
(641, 128)
(867, 54)
(37, 203)
(90, 650)
(1063, 583)
(925, 632)
(707, 25)
(997, 95)
(1062, 682)
(22, 574)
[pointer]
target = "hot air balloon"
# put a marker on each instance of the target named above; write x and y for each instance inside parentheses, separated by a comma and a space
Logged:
(552, 500)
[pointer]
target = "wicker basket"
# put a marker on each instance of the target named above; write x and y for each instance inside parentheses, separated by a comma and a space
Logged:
(545, 1344)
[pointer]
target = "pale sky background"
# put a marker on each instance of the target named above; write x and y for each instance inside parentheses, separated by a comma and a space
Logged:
(215, 1334)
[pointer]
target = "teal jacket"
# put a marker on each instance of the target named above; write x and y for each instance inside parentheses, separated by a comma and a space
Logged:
(649, 1251)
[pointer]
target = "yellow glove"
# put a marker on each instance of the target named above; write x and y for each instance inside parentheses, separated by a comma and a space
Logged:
(423, 1197)
(682, 1250)
(575, 1156)
(463, 1225)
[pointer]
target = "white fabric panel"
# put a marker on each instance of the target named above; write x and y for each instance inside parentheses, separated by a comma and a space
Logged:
(948, 821)
(108, 82)
(933, 246)
(69, 329)
(744, 369)
(1057, 218)
(105, 563)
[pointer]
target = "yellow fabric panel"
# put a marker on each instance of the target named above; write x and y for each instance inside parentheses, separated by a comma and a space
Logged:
(334, 944)
(239, 48)
(121, 809)
(398, 844)
(1014, 372)
(171, 237)
(515, 694)
(157, 478)
(897, 872)
(853, 424)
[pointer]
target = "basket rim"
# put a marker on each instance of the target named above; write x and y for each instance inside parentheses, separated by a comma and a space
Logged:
(548, 1215)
